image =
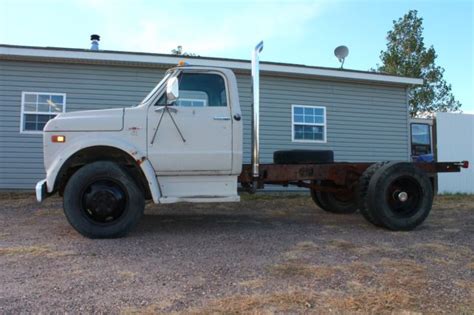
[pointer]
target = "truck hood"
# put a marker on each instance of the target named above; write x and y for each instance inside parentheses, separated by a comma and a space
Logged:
(91, 120)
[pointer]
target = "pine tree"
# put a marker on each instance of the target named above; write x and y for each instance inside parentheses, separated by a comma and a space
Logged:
(406, 55)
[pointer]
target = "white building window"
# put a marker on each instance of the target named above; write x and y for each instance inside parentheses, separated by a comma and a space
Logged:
(37, 108)
(308, 123)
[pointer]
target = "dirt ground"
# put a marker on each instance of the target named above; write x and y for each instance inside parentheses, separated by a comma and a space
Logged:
(267, 254)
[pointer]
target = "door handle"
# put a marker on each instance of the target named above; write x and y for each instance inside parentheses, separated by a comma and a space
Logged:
(221, 118)
(237, 117)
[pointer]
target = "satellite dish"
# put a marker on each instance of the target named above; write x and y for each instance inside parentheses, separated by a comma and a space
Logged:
(341, 52)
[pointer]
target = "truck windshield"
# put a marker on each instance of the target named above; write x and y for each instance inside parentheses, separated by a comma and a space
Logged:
(156, 88)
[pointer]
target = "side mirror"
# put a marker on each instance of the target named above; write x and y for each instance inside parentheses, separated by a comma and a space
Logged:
(172, 90)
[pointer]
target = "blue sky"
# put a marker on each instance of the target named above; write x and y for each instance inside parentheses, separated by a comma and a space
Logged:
(303, 32)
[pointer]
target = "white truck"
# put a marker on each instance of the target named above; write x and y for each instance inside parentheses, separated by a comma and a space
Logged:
(183, 143)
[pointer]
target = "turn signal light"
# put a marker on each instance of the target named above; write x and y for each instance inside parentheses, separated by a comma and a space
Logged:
(57, 138)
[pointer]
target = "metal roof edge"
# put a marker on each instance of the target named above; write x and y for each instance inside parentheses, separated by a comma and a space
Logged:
(20, 52)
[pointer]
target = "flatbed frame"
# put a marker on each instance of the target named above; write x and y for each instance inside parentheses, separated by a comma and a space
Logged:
(341, 176)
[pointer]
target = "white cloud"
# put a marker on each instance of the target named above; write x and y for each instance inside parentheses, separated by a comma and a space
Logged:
(206, 28)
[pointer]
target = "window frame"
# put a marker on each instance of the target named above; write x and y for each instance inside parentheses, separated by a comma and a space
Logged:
(293, 123)
(23, 112)
(429, 133)
(159, 94)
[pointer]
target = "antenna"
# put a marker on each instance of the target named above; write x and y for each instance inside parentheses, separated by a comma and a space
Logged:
(341, 52)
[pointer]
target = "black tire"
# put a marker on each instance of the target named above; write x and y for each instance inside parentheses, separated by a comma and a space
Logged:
(362, 187)
(314, 196)
(400, 196)
(340, 203)
(101, 200)
(303, 157)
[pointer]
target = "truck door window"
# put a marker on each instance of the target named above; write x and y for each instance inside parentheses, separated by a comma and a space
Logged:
(199, 90)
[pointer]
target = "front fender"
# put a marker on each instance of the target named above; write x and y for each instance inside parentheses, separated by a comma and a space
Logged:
(77, 143)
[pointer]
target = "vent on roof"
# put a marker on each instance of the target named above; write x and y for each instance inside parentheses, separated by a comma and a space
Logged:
(95, 42)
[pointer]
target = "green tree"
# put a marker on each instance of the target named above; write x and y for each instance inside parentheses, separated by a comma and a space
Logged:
(179, 51)
(406, 55)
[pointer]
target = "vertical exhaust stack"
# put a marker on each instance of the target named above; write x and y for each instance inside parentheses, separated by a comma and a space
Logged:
(256, 113)
(95, 42)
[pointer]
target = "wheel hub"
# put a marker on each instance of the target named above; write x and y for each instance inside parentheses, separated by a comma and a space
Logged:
(104, 201)
(402, 196)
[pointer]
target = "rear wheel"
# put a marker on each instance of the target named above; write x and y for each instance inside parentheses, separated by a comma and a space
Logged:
(315, 197)
(362, 188)
(340, 202)
(101, 200)
(400, 196)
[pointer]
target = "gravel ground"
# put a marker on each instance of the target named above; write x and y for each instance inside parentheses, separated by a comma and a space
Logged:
(267, 254)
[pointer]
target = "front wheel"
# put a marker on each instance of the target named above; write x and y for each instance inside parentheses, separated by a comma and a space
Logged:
(101, 200)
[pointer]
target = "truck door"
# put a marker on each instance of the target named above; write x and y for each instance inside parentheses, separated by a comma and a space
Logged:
(193, 135)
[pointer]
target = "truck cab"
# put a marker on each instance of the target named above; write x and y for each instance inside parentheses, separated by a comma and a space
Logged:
(183, 141)
(422, 139)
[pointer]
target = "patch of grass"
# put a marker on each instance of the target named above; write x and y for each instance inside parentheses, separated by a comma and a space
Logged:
(306, 245)
(295, 269)
(25, 250)
(293, 301)
(454, 195)
(48, 212)
(442, 261)
(252, 284)
(359, 271)
(272, 196)
(454, 202)
(435, 247)
(32, 251)
(373, 301)
(300, 249)
(127, 274)
(342, 244)
(154, 308)
(308, 301)
(403, 273)
(16, 195)
(453, 230)
(381, 249)
(446, 250)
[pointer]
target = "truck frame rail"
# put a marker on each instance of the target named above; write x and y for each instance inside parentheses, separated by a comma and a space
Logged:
(342, 175)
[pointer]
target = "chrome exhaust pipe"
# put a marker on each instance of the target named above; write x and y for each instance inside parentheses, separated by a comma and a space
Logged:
(256, 112)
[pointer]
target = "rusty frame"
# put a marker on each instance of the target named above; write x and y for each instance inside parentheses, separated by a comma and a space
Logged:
(338, 176)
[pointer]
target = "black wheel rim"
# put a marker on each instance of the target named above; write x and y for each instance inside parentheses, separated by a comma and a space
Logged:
(103, 201)
(404, 196)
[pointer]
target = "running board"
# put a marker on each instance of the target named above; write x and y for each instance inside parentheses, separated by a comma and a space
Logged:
(196, 199)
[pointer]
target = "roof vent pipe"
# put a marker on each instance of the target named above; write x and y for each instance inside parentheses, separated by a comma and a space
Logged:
(95, 42)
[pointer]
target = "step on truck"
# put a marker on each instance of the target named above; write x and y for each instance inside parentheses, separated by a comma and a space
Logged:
(107, 163)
